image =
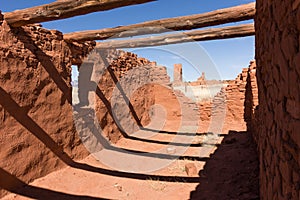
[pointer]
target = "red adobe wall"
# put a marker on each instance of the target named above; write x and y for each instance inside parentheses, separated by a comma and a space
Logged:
(234, 104)
(278, 114)
(35, 93)
(36, 118)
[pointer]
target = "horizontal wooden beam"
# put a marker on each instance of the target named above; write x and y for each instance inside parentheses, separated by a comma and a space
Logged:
(181, 37)
(227, 15)
(64, 9)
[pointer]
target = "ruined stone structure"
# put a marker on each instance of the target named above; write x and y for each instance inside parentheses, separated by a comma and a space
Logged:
(278, 114)
(177, 74)
(127, 76)
(235, 98)
(234, 101)
(35, 81)
(200, 81)
(178, 80)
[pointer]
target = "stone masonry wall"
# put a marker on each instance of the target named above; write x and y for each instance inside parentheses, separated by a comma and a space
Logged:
(125, 91)
(36, 114)
(235, 98)
(251, 99)
(278, 114)
(37, 131)
(177, 76)
(229, 105)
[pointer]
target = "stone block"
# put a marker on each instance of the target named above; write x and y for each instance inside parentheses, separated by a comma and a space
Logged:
(191, 169)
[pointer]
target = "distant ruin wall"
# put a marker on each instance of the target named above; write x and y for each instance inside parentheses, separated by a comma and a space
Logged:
(231, 103)
(35, 102)
(127, 83)
(235, 101)
(278, 115)
(177, 74)
(200, 81)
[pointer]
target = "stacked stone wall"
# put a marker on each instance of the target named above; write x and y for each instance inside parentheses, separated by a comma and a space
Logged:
(278, 114)
(36, 113)
(228, 107)
(37, 131)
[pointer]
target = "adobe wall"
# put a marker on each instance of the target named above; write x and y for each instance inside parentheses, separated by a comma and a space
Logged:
(37, 132)
(251, 99)
(278, 115)
(36, 116)
(136, 78)
(228, 107)
(177, 74)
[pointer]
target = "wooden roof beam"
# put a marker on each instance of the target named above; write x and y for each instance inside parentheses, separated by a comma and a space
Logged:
(190, 36)
(64, 9)
(222, 16)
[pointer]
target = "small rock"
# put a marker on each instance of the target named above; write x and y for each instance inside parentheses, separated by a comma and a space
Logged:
(191, 169)
(119, 187)
(171, 150)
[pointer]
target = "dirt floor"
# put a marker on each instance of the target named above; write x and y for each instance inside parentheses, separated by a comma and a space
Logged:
(226, 170)
(174, 158)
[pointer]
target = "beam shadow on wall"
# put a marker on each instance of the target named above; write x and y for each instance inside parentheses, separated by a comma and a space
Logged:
(126, 99)
(125, 135)
(12, 107)
(16, 112)
(107, 104)
(128, 102)
(100, 138)
(46, 62)
(27, 122)
(225, 158)
(19, 114)
(86, 86)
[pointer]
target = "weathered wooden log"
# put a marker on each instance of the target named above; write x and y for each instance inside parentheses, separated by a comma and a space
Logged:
(181, 37)
(64, 9)
(233, 14)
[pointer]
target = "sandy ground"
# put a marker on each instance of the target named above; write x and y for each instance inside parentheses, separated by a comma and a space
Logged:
(228, 174)
(152, 165)
(150, 185)
(81, 182)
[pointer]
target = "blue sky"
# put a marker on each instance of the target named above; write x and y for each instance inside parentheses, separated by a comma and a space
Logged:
(227, 57)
